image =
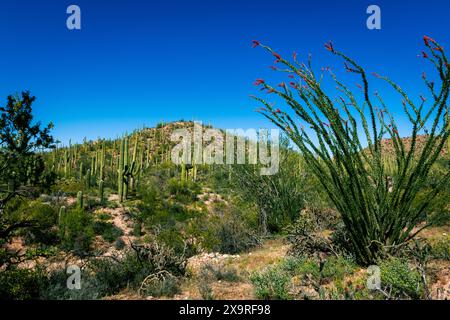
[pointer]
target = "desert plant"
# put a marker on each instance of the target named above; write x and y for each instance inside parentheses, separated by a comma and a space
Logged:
(341, 140)
(271, 284)
(279, 197)
(399, 280)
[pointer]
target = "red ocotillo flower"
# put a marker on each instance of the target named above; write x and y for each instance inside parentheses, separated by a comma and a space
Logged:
(255, 43)
(376, 75)
(277, 111)
(270, 90)
(258, 82)
(329, 46)
(359, 86)
(276, 55)
(273, 67)
(294, 55)
(291, 76)
(438, 48)
(427, 39)
(395, 131)
(424, 55)
(423, 98)
(293, 85)
(282, 85)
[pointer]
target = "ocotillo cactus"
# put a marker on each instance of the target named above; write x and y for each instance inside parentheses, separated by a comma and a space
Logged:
(80, 200)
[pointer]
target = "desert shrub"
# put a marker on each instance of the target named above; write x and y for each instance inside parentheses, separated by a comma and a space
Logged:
(340, 240)
(271, 284)
(19, 284)
(184, 191)
(320, 271)
(233, 235)
(204, 281)
(221, 273)
(304, 236)
(167, 287)
(119, 244)
(42, 218)
(441, 249)
(76, 231)
(105, 276)
(399, 280)
(107, 230)
(68, 186)
(279, 197)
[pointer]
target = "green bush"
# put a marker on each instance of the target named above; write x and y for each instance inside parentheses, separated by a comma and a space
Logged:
(400, 280)
(107, 230)
(76, 231)
(167, 287)
(331, 269)
(232, 233)
(441, 249)
(19, 284)
(271, 284)
(221, 273)
(106, 276)
(43, 218)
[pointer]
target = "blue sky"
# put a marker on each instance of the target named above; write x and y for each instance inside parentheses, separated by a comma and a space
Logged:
(137, 62)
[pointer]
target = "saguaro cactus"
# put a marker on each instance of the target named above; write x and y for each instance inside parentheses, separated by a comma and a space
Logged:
(80, 200)
(100, 190)
(121, 170)
(62, 211)
(88, 179)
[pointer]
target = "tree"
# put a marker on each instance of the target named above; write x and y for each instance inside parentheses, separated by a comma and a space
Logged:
(21, 161)
(341, 138)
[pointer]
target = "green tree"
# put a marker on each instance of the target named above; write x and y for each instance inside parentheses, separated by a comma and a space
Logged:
(22, 165)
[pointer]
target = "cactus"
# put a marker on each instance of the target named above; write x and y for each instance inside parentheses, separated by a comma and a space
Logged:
(121, 170)
(62, 211)
(81, 171)
(102, 162)
(88, 179)
(80, 200)
(100, 190)
(346, 154)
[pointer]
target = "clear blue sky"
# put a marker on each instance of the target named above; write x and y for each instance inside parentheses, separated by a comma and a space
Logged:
(137, 62)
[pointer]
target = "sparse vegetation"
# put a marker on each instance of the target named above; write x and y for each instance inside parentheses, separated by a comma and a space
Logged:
(137, 224)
